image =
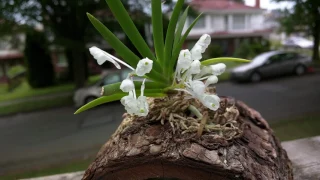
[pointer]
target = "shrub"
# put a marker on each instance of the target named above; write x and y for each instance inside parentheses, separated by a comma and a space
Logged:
(249, 50)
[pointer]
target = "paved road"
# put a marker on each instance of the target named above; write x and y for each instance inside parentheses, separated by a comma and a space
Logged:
(55, 135)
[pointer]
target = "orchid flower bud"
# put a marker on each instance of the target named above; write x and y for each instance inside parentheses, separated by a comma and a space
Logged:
(195, 67)
(127, 85)
(211, 101)
(102, 56)
(144, 66)
(211, 80)
(218, 69)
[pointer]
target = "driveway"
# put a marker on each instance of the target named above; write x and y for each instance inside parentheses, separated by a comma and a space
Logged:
(57, 135)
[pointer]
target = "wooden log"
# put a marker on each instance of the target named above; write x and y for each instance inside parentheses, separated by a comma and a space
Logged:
(233, 146)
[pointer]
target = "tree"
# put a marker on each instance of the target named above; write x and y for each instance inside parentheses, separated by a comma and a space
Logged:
(40, 69)
(305, 16)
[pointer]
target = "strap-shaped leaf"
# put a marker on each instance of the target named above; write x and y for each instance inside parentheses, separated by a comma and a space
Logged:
(115, 87)
(170, 35)
(114, 97)
(129, 28)
(222, 60)
(99, 101)
(180, 27)
(177, 50)
(157, 27)
(123, 50)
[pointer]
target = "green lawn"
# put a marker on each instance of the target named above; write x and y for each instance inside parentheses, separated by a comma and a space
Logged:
(65, 168)
(24, 91)
(36, 105)
(285, 130)
(297, 128)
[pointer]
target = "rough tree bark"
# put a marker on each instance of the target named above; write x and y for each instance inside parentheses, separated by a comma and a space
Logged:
(241, 147)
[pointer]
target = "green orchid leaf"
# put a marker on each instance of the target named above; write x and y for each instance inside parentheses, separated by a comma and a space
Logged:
(177, 49)
(99, 101)
(115, 88)
(115, 97)
(222, 60)
(180, 27)
(114, 42)
(157, 27)
(123, 50)
(129, 28)
(170, 36)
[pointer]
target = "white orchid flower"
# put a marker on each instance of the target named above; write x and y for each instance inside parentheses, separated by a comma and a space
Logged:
(102, 56)
(136, 106)
(144, 66)
(204, 41)
(196, 52)
(130, 103)
(184, 60)
(195, 67)
(218, 69)
(142, 106)
(211, 101)
(127, 85)
(196, 88)
(211, 80)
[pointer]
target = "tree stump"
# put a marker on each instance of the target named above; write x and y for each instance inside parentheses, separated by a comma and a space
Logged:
(240, 146)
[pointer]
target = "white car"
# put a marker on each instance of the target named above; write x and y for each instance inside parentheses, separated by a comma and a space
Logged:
(84, 95)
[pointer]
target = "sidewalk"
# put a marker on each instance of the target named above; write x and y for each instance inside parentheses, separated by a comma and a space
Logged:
(304, 154)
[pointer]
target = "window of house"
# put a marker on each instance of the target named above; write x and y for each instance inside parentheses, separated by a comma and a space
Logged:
(239, 22)
(226, 22)
(200, 23)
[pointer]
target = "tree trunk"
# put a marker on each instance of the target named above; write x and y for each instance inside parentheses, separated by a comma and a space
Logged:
(316, 39)
(79, 67)
(238, 144)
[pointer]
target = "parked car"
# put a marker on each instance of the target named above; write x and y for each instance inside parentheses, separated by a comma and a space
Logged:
(273, 63)
(84, 95)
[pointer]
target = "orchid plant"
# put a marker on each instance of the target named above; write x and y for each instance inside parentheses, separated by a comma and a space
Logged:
(171, 68)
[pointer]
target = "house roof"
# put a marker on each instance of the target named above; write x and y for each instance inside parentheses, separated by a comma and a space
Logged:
(10, 54)
(220, 5)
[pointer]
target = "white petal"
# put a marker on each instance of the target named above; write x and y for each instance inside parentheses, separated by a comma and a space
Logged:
(144, 66)
(130, 104)
(127, 85)
(197, 88)
(204, 42)
(211, 101)
(195, 67)
(218, 69)
(196, 52)
(184, 60)
(211, 80)
(102, 56)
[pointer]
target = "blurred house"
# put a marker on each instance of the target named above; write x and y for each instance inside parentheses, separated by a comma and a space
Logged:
(228, 22)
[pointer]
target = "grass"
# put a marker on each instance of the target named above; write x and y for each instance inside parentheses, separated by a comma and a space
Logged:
(36, 105)
(24, 91)
(285, 130)
(68, 167)
(297, 128)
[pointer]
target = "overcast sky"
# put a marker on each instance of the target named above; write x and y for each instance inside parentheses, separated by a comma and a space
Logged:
(269, 4)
